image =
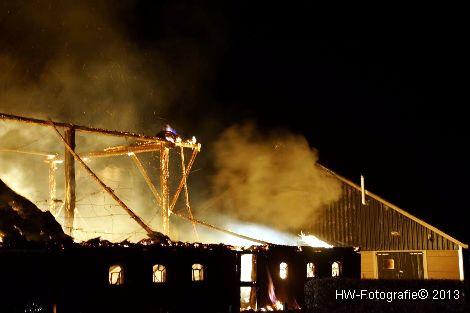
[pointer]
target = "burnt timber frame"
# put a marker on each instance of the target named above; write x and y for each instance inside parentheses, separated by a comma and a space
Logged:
(145, 144)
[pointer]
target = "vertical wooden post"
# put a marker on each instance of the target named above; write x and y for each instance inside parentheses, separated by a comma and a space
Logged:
(69, 167)
(164, 175)
(52, 187)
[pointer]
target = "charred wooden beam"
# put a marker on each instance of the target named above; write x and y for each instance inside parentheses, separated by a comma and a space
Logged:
(52, 187)
(76, 127)
(69, 168)
(80, 128)
(115, 151)
(123, 150)
(164, 175)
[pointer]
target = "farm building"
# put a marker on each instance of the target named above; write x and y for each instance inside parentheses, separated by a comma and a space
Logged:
(43, 270)
(394, 244)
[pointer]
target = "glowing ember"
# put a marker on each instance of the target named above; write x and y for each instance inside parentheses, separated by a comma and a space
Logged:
(278, 305)
(313, 241)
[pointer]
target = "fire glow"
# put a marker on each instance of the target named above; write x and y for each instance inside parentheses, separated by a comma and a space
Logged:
(257, 231)
(276, 304)
(313, 241)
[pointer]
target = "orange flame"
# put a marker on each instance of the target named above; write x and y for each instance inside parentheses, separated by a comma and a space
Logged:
(275, 303)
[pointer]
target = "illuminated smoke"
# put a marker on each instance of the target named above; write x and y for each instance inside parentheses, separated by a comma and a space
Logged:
(96, 213)
(271, 180)
(253, 230)
(76, 62)
(71, 63)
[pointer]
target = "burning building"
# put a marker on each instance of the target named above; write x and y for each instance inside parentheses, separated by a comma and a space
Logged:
(42, 267)
(99, 276)
(43, 270)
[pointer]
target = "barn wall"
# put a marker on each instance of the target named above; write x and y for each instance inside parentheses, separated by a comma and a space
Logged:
(442, 264)
(438, 264)
(368, 265)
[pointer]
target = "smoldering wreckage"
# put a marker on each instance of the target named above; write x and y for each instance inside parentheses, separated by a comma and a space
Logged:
(44, 269)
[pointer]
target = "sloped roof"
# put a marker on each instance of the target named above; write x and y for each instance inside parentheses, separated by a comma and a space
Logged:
(376, 218)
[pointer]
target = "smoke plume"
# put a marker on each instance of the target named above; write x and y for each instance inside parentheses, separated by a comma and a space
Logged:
(90, 63)
(270, 179)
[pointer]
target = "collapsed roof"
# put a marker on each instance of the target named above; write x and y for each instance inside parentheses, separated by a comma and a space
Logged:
(23, 222)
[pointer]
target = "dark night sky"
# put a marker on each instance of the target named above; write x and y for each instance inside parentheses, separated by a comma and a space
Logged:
(380, 97)
(378, 93)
